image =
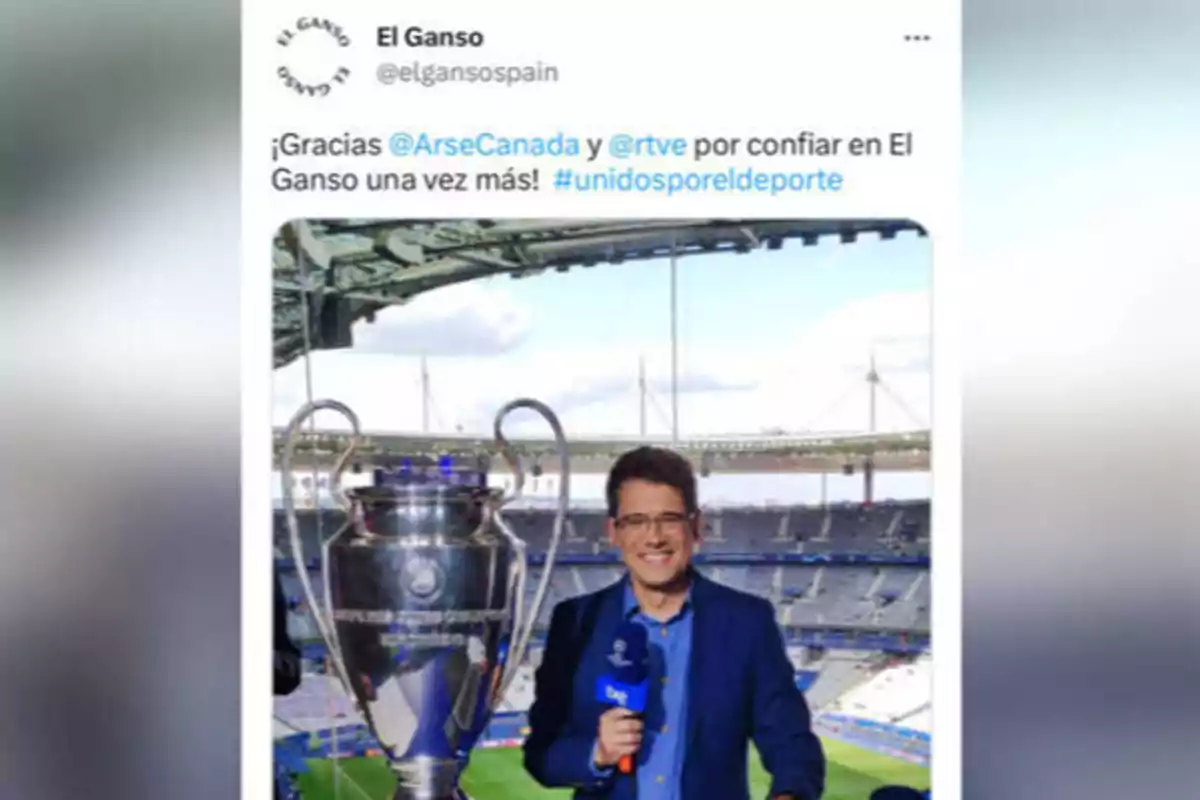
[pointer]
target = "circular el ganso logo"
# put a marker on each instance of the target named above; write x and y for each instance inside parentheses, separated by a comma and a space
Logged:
(313, 64)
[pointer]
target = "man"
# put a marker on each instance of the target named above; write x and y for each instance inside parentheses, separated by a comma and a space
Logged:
(720, 676)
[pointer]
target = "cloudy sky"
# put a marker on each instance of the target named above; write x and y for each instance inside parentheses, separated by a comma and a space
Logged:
(770, 339)
(767, 340)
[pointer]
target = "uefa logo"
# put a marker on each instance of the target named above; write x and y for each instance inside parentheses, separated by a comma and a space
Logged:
(617, 659)
(314, 57)
(424, 579)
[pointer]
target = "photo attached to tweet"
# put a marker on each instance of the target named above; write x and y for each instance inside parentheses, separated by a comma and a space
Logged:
(446, 468)
(602, 455)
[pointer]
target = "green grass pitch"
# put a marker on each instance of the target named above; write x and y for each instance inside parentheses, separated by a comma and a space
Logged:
(497, 774)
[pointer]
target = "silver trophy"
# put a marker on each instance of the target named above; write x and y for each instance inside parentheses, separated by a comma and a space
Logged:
(424, 612)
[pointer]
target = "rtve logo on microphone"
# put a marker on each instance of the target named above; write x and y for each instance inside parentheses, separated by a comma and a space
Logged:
(616, 695)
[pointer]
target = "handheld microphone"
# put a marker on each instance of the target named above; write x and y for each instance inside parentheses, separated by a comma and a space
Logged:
(625, 683)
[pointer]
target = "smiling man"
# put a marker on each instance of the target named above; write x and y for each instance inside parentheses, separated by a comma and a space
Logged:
(719, 672)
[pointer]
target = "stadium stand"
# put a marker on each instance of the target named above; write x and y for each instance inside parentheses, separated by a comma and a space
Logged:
(897, 695)
(893, 527)
(887, 596)
(838, 671)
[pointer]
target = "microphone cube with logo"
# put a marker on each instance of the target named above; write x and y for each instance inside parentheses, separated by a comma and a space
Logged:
(624, 684)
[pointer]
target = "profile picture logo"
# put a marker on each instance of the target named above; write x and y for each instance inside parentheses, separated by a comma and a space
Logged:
(314, 56)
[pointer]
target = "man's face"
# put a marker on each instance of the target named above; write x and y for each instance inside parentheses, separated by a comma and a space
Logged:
(653, 531)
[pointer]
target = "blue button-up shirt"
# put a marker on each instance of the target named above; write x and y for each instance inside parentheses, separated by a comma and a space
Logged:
(660, 759)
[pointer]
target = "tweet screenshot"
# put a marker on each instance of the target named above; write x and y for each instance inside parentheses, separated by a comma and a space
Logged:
(601, 401)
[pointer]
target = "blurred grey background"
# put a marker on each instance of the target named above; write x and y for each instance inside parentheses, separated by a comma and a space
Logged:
(119, 580)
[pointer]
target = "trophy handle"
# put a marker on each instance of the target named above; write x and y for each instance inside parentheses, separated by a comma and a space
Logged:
(518, 578)
(325, 625)
(526, 617)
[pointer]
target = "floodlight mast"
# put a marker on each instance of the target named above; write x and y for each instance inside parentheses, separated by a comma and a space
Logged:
(674, 345)
(875, 385)
(643, 392)
(425, 399)
(872, 423)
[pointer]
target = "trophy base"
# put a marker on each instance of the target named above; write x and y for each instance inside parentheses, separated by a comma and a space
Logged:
(409, 794)
(425, 778)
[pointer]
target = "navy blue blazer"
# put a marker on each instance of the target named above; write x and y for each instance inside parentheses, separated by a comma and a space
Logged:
(741, 688)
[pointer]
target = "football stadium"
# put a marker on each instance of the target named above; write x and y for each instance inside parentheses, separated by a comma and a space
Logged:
(849, 578)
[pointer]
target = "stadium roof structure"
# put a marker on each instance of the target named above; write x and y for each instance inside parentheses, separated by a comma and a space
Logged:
(331, 274)
(349, 269)
(885, 452)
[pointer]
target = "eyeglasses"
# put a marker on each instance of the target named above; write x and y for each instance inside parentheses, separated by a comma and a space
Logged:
(669, 523)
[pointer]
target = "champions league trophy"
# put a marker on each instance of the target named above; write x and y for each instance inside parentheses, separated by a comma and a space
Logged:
(424, 613)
